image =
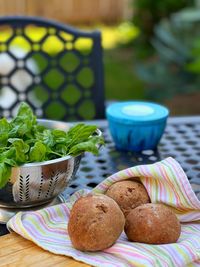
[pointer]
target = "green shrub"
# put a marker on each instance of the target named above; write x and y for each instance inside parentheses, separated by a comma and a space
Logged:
(176, 66)
(147, 13)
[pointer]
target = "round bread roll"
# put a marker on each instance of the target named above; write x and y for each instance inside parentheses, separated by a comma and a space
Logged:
(128, 195)
(95, 223)
(152, 224)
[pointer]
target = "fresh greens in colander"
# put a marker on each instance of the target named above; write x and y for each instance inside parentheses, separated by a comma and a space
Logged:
(22, 141)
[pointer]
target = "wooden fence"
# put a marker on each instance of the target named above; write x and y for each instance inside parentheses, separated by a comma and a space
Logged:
(69, 11)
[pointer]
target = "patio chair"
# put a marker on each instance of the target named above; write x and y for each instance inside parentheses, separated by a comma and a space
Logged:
(55, 68)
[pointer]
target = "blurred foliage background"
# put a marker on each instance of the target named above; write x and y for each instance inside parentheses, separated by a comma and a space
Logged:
(147, 14)
(165, 56)
(153, 54)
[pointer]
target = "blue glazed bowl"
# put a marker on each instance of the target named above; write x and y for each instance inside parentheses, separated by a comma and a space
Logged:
(136, 125)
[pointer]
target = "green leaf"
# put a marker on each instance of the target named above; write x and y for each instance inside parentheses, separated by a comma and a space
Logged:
(90, 146)
(8, 152)
(59, 136)
(23, 123)
(50, 154)
(4, 130)
(5, 172)
(8, 156)
(61, 149)
(21, 149)
(10, 162)
(47, 138)
(4, 126)
(79, 133)
(37, 152)
(39, 128)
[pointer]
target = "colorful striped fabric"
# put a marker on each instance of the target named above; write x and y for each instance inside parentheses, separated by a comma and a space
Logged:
(165, 182)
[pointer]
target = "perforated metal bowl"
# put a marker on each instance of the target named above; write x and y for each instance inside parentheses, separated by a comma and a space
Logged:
(38, 183)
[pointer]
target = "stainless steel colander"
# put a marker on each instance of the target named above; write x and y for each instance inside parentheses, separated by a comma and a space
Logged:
(34, 184)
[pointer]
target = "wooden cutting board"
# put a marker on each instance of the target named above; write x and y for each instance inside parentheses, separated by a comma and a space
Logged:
(16, 251)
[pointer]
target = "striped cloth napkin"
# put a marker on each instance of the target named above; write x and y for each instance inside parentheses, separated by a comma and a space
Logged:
(165, 182)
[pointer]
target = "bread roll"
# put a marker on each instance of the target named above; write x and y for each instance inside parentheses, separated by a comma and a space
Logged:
(95, 223)
(152, 224)
(128, 194)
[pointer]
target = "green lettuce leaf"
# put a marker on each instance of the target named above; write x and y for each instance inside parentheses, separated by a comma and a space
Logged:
(92, 145)
(48, 138)
(4, 131)
(23, 123)
(5, 172)
(37, 152)
(21, 149)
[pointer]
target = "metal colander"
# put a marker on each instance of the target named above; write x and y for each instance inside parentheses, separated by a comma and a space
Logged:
(34, 184)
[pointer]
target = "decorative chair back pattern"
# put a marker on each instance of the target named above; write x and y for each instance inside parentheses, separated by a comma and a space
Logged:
(57, 69)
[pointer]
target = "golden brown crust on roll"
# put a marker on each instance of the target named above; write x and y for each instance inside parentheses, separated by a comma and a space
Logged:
(128, 194)
(152, 224)
(95, 223)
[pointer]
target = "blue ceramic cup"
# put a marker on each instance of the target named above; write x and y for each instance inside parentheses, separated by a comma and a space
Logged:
(136, 125)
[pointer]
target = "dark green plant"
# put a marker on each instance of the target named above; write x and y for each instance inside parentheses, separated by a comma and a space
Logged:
(147, 13)
(176, 66)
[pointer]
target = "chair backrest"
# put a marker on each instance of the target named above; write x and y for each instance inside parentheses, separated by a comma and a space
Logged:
(55, 68)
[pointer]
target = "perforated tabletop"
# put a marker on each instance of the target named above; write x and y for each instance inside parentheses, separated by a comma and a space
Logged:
(181, 141)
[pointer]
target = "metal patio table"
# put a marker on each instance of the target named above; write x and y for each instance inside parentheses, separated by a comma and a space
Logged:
(181, 141)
